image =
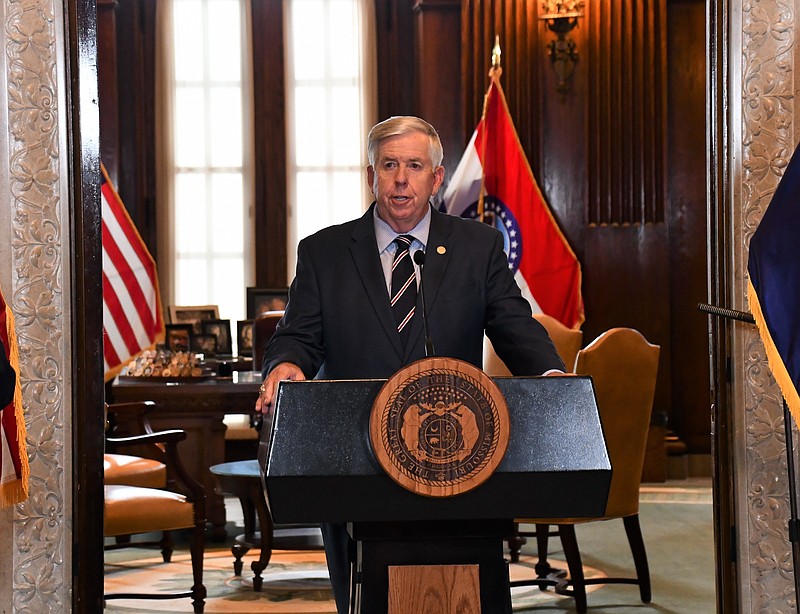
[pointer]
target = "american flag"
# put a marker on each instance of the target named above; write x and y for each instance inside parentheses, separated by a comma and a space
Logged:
(132, 316)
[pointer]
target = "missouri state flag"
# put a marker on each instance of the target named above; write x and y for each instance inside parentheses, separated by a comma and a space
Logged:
(132, 315)
(774, 286)
(14, 468)
(494, 182)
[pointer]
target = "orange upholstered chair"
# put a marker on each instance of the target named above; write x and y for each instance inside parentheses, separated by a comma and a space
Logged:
(179, 503)
(567, 341)
(127, 468)
(623, 367)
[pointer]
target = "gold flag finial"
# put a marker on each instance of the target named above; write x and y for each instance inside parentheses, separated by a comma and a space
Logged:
(496, 69)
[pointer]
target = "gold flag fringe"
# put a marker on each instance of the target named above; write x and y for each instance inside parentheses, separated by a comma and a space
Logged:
(776, 364)
(15, 492)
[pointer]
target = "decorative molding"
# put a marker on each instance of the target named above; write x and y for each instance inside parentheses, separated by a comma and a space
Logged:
(41, 580)
(766, 144)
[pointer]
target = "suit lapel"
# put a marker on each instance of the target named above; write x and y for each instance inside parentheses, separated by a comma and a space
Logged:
(364, 250)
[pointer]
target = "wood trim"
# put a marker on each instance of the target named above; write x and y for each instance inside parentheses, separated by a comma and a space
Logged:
(86, 297)
(269, 138)
(719, 211)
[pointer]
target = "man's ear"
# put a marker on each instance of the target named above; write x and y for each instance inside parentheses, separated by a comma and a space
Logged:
(371, 178)
(438, 178)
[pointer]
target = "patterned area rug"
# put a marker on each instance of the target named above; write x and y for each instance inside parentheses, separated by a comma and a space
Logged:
(295, 582)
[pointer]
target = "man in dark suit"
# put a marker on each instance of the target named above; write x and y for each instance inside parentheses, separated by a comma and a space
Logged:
(339, 322)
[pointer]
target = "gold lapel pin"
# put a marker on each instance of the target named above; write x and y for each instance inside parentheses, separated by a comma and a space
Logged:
(441, 249)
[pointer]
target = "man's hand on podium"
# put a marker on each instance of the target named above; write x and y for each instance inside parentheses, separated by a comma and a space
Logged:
(269, 389)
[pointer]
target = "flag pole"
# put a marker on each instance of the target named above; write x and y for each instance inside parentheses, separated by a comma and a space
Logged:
(494, 74)
(794, 521)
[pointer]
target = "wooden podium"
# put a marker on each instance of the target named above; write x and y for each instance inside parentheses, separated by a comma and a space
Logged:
(318, 465)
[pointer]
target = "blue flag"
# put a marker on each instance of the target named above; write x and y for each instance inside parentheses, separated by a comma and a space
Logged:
(774, 287)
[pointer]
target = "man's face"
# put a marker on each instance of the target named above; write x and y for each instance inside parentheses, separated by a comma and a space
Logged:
(403, 180)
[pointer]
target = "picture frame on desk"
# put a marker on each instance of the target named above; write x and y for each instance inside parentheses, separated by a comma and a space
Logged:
(204, 344)
(222, 330)
(178, 337)
(244, 335)
(193, 314)
(261, 300)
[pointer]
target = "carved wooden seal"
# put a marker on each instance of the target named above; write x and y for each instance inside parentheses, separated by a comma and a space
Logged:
(439, 427)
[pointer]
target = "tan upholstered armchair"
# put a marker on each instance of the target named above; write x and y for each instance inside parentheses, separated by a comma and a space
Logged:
(567, 341)
(147, 502)
(623, 367)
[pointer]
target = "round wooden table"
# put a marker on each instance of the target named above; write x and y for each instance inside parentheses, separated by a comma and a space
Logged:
(242, 479)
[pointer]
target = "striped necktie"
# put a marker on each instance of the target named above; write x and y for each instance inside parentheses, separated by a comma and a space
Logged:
(404, 286)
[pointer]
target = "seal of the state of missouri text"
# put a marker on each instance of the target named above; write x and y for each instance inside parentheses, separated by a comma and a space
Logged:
(439, 427)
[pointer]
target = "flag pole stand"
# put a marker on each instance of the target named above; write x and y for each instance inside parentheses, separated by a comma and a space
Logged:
(794, 522)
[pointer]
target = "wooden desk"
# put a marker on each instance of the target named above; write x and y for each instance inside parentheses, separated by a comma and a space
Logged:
(198, 409)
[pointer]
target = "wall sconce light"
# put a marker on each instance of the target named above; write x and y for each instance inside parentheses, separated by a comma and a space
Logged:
(561, 17)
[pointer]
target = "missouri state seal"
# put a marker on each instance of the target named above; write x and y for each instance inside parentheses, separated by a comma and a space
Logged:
(439, 427)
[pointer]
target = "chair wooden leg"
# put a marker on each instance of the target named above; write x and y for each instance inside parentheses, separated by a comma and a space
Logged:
(197, 549)
(167, 546)
(570, 544)
(634, 533)
(543, 568)
(515, 543)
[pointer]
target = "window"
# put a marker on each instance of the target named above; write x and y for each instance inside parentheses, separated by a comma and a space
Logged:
(330, 100)
(211, 226)
(329, 112)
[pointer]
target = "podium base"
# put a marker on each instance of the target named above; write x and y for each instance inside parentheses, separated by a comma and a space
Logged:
(458, 562)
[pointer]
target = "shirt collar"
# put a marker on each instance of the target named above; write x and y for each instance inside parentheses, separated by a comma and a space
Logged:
(385, 234)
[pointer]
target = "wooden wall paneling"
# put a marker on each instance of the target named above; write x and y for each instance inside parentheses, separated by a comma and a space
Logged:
(515, 23)
(438, 69)
(522, 53)
(397, 65)
(269, 108)
(627, 112)
(107, 85)
(126, 86)
(563, 139)
(686, 216)
(626, 243)
(136, 28)
(477, 40)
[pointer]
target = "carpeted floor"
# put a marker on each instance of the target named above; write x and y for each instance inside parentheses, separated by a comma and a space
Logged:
(676, 523)
(295, 582)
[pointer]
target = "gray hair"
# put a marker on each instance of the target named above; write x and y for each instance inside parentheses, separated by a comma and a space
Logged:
(400, 125)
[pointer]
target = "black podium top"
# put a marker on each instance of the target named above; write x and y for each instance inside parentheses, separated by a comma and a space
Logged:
(318, 463)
